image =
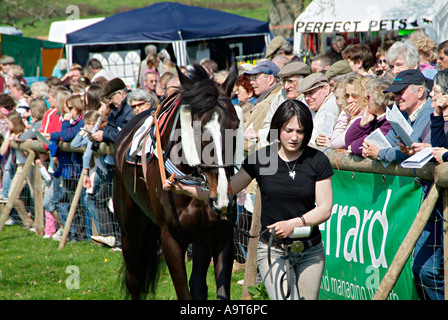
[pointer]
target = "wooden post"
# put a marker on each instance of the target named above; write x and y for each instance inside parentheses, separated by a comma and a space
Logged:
(15, 193)
(250, 274)
(406, 247)
(72, 211)
(38, 202)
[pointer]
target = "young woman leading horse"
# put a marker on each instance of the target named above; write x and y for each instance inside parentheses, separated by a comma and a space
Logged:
(194, 143)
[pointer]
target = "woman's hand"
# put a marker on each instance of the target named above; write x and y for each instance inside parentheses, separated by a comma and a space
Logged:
(175, 186)
(353, 109)
(370, 150)
(367, 117)
(438, 152)
(440, 105)
(282, 228)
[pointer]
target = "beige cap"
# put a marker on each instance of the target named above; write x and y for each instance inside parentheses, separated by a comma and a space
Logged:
(312, 81)
(294, 68)
(274, 45)
(338, 68)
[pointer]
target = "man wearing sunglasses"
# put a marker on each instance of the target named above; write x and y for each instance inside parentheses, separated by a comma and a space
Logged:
(114, 94)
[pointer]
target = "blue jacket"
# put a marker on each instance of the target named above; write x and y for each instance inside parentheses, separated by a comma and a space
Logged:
(116, 121)
(67, 160)
(393, 154)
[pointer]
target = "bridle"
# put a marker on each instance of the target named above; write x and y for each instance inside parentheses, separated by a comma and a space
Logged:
(199, 178)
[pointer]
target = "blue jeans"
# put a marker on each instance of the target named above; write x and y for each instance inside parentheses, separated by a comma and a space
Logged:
(89, 203)
(428, 262)
(8, 174)
(305, 276)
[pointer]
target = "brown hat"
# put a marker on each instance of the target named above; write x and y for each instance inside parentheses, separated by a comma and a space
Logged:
(312, 81)
(113, 86)
(274, 45)
(7, 60)
(294, 68)
(338, 68)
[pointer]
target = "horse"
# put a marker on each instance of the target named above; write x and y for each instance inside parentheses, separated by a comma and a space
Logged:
(152, 219)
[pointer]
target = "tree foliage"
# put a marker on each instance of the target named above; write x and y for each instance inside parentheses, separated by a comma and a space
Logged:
(22, 13)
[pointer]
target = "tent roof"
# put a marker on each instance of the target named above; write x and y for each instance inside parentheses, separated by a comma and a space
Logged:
(59, 29)
(167, 22)
(360, 16)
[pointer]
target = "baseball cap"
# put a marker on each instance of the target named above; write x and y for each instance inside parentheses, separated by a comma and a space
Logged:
(406, 78)
(265, 66)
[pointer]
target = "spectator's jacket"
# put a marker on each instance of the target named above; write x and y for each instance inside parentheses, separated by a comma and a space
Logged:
(70, 163)
(51, 122)
(116, 121)
(356, 133)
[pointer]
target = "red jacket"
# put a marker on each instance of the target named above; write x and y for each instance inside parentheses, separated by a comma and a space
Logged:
(51, 122)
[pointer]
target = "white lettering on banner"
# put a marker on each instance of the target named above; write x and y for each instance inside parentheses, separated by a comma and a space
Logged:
(351, 290)
(355, 235)
(353, 26)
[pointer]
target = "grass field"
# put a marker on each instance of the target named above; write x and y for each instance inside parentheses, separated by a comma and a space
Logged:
(32, 268)
(255, 9)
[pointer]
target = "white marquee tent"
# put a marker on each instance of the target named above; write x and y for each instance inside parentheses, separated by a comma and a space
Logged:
(340, 16)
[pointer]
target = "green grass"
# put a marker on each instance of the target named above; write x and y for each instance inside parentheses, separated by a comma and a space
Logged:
(32, 268)
(255, 9)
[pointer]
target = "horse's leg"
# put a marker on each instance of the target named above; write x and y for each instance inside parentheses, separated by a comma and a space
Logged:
(222, 250)
(174, 255)
(201, 257)
(140, 244)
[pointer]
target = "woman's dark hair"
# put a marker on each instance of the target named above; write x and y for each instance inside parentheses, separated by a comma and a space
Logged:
(289, 109)
(94, 97)
(7, 101)
(441, 78)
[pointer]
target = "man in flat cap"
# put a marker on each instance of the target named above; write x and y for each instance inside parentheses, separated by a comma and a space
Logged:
(5, 64)
(279, 46)
(290, 76)
(264, 80)
(413, 101)
(115, 93)
(322, 103)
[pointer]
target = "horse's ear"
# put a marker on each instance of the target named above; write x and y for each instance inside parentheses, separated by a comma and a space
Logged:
(227, 86)
(185, 81)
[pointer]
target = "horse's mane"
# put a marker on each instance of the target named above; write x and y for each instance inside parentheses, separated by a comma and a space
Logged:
(201, 91)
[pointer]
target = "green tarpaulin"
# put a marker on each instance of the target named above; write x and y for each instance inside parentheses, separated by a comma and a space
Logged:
(27, 52)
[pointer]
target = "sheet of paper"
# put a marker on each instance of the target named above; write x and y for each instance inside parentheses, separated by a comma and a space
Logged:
(419, 159)
(399, 124)
(377, 138)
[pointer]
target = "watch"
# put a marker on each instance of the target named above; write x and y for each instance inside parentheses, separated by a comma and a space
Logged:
(378, 157)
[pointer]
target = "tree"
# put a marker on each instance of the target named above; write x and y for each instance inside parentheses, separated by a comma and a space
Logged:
(22, 13)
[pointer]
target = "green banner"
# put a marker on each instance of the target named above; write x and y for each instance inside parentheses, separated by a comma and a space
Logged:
(371, 216)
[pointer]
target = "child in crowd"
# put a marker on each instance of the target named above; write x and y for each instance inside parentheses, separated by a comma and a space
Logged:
(17, 127)
(69, 163)
(93, 176)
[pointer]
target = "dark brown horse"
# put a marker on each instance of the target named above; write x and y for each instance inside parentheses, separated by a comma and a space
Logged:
(152, 219)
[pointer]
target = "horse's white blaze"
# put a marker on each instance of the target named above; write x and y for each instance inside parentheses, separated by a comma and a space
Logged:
(215, 131)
